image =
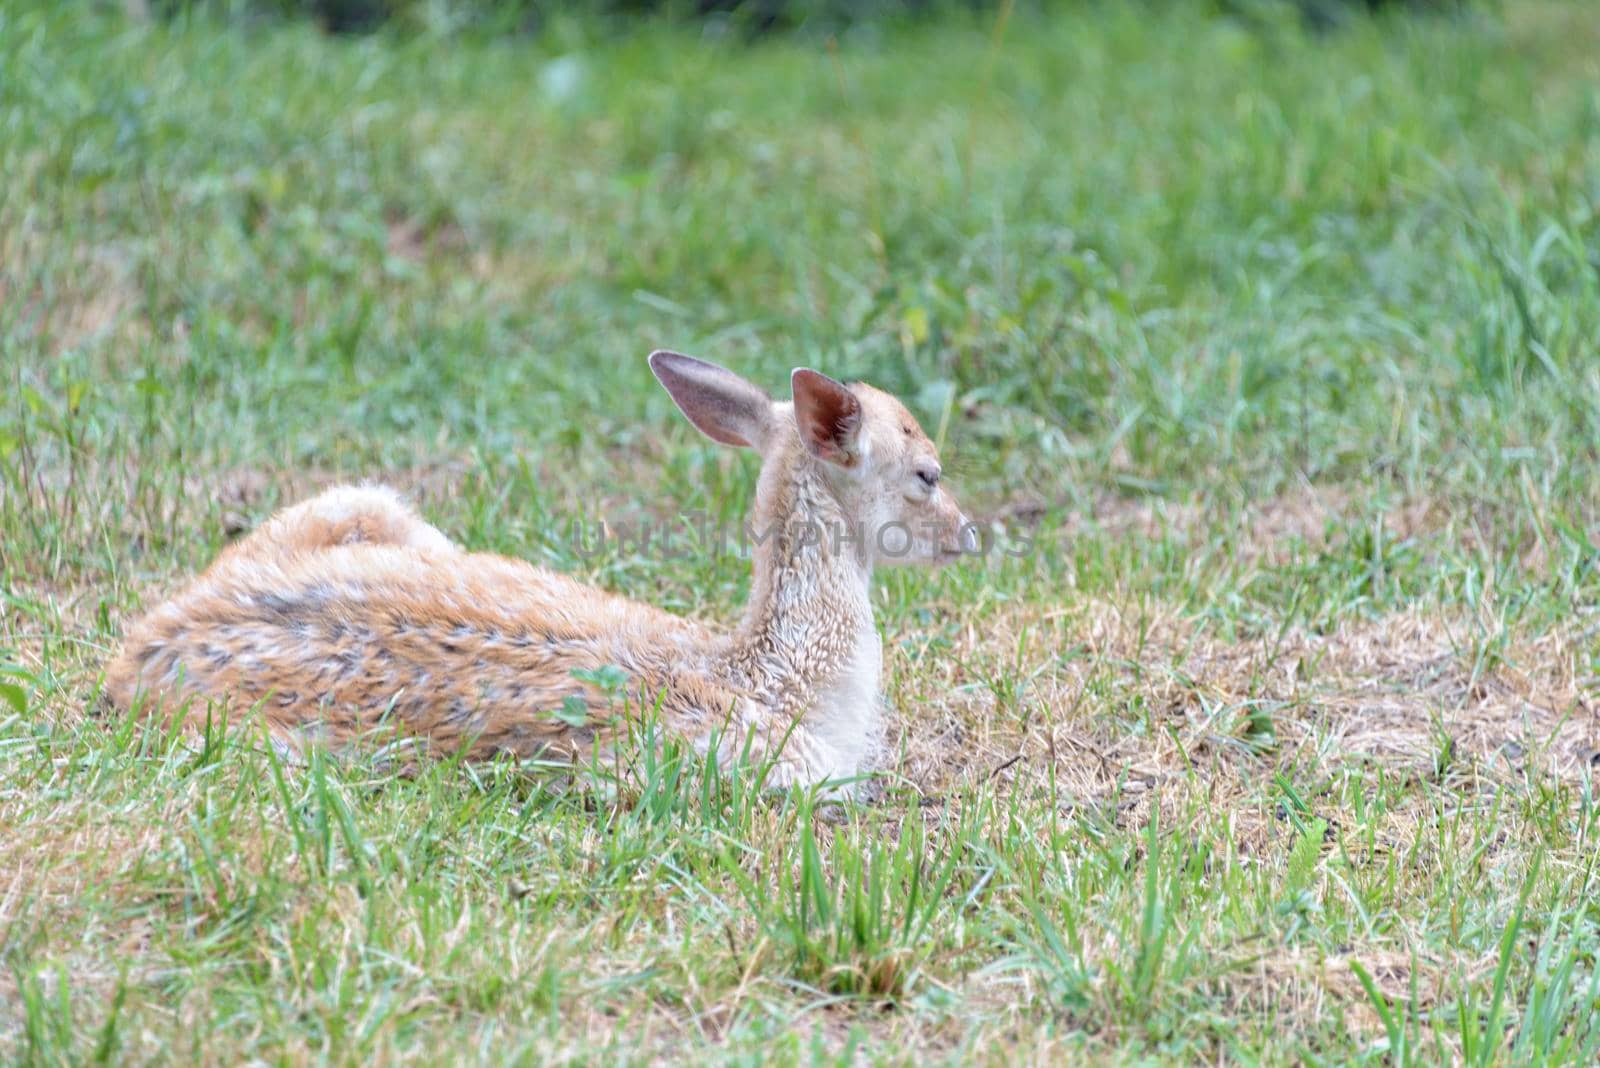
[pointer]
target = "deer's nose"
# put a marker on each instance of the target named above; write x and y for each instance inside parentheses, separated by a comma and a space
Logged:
(969, 536)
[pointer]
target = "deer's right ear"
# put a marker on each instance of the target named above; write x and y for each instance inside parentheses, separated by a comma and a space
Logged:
(721, 405)
(828, 416)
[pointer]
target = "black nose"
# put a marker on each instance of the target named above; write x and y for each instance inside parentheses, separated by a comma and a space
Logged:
(929, 476)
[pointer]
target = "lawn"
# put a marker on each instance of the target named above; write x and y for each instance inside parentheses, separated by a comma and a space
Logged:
(1275, 355)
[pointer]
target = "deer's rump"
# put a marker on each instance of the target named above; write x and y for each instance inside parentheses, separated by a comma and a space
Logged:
(477, 651)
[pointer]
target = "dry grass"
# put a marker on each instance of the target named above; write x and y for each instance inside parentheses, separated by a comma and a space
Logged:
(1119, 694)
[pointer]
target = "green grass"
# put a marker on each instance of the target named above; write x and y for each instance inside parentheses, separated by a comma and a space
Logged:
(1281, 352)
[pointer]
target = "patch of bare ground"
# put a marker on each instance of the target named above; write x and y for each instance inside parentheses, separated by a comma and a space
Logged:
(1119, 699)
(1304, 512)
(1272, 531)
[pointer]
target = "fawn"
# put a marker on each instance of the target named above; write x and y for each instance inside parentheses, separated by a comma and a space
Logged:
(348, 612)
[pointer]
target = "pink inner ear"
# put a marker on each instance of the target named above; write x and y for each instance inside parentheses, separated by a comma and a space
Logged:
(829, 415)
(825, 440)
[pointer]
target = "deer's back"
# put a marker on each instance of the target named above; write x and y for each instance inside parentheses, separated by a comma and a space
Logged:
(461, 648)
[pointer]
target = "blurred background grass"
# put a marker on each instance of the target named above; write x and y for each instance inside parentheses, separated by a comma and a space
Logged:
(1233, 244)
(1166, 249)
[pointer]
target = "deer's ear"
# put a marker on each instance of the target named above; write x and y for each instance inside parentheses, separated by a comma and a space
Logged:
(721, 405)
(828, 416)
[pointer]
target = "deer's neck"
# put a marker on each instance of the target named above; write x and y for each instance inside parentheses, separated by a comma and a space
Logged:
(808, 641)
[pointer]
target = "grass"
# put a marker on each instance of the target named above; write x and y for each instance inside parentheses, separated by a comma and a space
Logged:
(1276, 352)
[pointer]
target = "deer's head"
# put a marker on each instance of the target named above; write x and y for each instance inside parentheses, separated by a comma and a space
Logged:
(860, 442)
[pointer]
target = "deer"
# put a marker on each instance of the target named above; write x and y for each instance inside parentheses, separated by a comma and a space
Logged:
(348, 614)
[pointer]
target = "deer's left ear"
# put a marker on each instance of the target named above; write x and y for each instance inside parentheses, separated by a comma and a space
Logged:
(828, 416)
(721, 405)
